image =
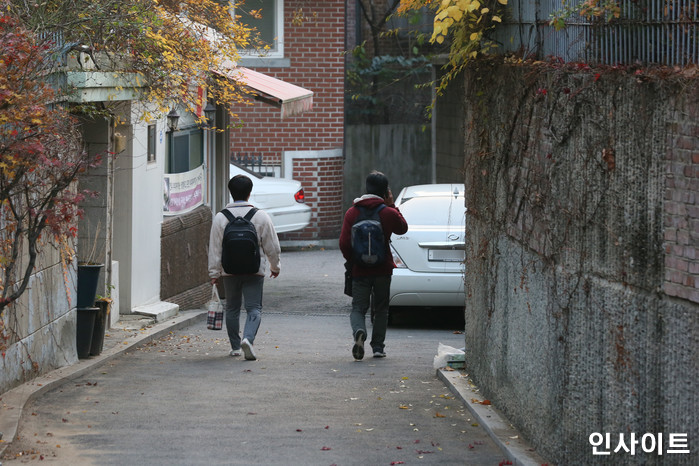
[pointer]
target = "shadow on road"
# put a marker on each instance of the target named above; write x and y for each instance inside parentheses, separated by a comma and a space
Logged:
(427, 318)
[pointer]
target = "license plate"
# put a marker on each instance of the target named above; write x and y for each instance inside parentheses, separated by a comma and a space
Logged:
(446, 255)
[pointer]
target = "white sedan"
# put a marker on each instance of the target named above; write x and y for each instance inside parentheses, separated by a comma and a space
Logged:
(283, 199)
(430, 256)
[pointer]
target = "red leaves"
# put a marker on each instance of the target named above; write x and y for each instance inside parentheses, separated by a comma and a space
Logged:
(608, 156)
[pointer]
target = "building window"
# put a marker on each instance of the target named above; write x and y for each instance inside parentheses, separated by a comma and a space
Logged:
(267, 17)
(187, 152)
(151, 143)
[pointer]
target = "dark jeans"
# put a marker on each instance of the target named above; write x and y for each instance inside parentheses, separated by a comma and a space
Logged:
(362, 288)
(249, 288)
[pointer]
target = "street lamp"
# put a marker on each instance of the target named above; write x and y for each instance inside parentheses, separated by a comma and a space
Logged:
(172, 118)
(210, 114)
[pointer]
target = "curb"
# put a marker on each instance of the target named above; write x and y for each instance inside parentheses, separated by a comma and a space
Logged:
(510, 441)
(13, 401)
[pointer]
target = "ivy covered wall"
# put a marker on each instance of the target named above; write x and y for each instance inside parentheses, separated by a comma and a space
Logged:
(582, 309)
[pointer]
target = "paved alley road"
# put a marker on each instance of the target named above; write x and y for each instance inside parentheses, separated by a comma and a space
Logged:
(181, 400)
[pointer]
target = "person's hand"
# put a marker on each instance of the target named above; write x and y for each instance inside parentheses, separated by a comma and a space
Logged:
(389, 198)
(214, 281)
(274, 274)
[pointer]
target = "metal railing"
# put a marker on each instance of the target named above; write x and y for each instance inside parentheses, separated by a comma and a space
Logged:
(255, 163)
(664, 32)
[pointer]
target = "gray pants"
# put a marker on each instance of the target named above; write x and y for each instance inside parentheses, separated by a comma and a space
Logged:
(237, 289)
(362, 288)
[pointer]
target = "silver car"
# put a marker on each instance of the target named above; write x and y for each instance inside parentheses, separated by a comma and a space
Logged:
(430, 256)
(283, 199)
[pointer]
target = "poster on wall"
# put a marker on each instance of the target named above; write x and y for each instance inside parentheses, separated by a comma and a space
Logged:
(182, 192)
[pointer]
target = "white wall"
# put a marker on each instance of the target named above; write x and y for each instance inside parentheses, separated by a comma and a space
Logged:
(138, 211)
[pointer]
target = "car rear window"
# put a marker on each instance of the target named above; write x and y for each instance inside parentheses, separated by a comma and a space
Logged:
(434, 210)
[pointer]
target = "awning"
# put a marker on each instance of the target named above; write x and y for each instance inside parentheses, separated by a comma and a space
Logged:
(292, 99)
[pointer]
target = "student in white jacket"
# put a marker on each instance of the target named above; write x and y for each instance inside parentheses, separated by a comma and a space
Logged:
(247, 287)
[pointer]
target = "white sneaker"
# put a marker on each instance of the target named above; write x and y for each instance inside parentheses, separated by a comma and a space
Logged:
(235, 352)
(248, 350)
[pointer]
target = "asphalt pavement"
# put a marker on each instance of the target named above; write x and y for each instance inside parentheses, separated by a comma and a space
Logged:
(171, 394)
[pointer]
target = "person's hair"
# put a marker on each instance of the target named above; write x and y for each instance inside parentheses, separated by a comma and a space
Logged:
(377, 183)
(240, 187)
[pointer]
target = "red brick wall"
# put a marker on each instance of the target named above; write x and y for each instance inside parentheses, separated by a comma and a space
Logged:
(315, 50)
(324, 178)
(681, 208)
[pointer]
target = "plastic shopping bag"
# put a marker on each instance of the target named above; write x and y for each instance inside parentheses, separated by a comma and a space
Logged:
(214, 318)
(449, 356)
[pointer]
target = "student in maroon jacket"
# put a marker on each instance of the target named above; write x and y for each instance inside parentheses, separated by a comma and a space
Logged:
(376, 279)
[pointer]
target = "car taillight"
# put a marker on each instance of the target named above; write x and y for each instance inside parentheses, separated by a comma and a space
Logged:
(299, 196)
(396, 258)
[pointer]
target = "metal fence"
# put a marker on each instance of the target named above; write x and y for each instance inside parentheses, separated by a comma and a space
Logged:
(647, 32)
(255, 163)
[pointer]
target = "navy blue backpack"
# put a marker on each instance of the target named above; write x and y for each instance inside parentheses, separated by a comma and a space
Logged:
(368, 241)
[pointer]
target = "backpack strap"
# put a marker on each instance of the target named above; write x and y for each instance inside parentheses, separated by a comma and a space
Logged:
(229, 215)
(365, 213)
(250, 214)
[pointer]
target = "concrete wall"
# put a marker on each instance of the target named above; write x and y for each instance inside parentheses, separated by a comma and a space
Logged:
(449, 130)
(583, 254)
(39, 328)
(401, 152)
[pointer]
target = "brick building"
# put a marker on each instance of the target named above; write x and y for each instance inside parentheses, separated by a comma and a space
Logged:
(307, 42)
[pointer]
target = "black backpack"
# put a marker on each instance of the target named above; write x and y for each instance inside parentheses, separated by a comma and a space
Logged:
(241, 247)
(368, 240)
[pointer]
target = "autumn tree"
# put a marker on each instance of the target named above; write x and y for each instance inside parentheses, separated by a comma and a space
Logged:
(40, 156)
(165, 48)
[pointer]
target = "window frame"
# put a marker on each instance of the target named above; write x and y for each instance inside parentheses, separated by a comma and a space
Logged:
(278, 50)
(151, 155)
(171, 152)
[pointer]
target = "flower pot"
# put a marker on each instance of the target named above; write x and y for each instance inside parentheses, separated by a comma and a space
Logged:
(84, 330)
(101, 319)
(88, 278)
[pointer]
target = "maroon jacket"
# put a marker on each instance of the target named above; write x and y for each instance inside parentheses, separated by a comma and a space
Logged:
(392, 221)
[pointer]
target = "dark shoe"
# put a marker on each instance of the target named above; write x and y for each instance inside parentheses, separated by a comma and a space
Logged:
(379, 353)
(358, 348)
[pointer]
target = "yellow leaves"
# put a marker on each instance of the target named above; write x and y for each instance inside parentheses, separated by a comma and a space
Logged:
(469, 17)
